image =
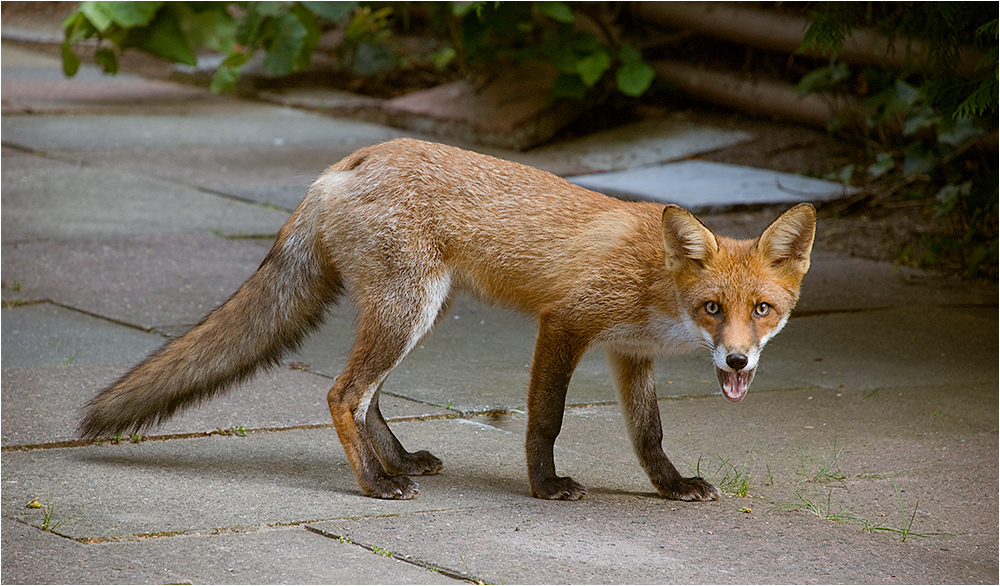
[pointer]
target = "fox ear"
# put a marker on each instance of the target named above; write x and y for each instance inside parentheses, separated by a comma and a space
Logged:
(686, 239)
(788, 241)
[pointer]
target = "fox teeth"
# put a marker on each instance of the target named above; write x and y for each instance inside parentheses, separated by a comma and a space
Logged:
(735, 384)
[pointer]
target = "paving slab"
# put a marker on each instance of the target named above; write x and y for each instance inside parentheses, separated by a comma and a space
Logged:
(167, 283)
(52, 199)
(867, 435)
(705, 186)
(274, 176)
(837, 283)
(33, 83)
(207, 483)
(639, 144)
(273, 556)
(944, 471)
(244, 124)
(476, 515)
(49, 335)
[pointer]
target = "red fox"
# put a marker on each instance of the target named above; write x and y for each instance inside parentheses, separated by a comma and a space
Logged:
(404, 226)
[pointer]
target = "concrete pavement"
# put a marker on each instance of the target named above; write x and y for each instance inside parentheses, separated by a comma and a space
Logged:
(866, 450)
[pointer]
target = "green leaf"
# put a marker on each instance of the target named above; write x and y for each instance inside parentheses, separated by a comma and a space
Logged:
(919, 160)
(331, 11)
(443, 58)
(882, 165)
(272, 9)
(907, 93)
(288, 42)
(629, 54)
(822, 79)
(163, 38)
(77, 27)
(225, 78)
(95, 14)
(921, 118)
(129, 14)
(592, 67)
(634, 78)
(961, 132)
(568, 86)
(557, 11)
(71, 63)
(949, 196)
(107, 59)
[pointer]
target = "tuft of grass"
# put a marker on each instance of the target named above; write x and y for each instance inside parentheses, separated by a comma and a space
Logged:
(835, 511)
(906, 530)
(729, 477)
(235, 430)
(829, 467)
(47, 513)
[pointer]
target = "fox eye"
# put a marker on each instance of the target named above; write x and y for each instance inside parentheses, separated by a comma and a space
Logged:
(713, 308)
(762, 309)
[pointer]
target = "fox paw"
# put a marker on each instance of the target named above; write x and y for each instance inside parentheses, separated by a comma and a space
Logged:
(689, 489)
(422, 463)
(392, 488)
(558, 488)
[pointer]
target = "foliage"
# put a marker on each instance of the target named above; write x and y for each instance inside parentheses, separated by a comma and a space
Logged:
(485, 33)
(480, 36)
(286, 31)
(921, 123)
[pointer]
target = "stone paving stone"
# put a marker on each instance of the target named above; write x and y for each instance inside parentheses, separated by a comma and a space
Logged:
(617, 539)
(263, 174)
(57, 200)
(837, 283)
(621, 533)
(640, 144)
(208, 483)
(148, 281)
(702, 185)
(45, 90)
(245, 124)
(49, 335)
(273, 556)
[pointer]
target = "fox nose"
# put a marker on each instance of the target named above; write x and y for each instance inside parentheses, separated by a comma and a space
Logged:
(737, 361)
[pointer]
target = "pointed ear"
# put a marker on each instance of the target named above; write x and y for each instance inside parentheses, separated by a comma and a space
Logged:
(686, 240)
(788, 241)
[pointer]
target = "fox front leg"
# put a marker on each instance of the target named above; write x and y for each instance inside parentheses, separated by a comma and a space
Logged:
(637, 395)
(556, 356)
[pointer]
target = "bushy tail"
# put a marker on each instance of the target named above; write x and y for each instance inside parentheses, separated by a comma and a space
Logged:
(271, 313)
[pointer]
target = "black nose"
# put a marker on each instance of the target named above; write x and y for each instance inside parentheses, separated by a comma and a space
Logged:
(736, 361)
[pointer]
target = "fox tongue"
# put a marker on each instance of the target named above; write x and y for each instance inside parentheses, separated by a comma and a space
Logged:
(734, 384)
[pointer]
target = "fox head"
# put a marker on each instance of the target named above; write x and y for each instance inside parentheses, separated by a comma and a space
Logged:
(737, 294)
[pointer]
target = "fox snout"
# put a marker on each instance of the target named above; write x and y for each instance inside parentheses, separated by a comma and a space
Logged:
(735, 370)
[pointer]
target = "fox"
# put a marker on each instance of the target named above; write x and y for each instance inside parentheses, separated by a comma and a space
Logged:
(404, 226)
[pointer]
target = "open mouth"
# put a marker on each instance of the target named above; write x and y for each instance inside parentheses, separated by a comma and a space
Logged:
(735, 384)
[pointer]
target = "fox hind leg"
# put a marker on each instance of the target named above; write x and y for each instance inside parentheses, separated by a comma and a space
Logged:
(387, 331)
(637, 395)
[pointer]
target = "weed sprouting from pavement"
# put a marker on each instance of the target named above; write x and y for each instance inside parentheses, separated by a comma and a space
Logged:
(908, 518)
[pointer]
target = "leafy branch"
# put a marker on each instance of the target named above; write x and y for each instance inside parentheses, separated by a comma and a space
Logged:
(479, 35)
